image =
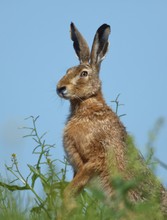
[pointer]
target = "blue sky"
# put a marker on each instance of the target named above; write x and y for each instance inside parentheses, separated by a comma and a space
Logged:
(36, 50)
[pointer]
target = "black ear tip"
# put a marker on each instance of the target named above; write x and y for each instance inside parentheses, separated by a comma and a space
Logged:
(104, 27)
(72, 25)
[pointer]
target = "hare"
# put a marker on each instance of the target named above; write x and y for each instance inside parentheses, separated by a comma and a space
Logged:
(93, 131)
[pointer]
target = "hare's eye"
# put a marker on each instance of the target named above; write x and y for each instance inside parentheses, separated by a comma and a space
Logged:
(83, 74)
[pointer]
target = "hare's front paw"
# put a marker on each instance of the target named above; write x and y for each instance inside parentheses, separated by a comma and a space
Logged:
(70, 205)
(67, 208)
(69, 202)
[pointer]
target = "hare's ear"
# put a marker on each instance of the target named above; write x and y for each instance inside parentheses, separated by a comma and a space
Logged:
(80, 45)
(100, 44)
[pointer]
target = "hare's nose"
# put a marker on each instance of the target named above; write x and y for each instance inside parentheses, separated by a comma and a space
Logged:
(62, 91)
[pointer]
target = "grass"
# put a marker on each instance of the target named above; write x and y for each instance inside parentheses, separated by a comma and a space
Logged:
(91, 202)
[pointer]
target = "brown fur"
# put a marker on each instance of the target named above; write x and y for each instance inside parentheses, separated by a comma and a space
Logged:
(92, 127)
(93, 130)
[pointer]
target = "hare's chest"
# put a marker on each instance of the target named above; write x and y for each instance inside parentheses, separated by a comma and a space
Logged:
(78, 137)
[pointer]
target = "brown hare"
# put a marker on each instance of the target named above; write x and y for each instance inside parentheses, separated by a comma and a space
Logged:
(93, 131)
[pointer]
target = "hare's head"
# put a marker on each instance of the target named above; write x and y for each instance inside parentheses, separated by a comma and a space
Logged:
(82, 81)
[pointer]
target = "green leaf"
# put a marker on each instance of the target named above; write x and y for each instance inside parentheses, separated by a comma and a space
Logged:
(14, 187)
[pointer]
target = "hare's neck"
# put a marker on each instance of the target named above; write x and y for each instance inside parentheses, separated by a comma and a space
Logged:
(82, 105)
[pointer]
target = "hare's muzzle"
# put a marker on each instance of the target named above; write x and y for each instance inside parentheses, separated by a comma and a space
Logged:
(62, 91)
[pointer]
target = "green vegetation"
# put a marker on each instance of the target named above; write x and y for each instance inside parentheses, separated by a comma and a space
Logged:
(91, 202)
